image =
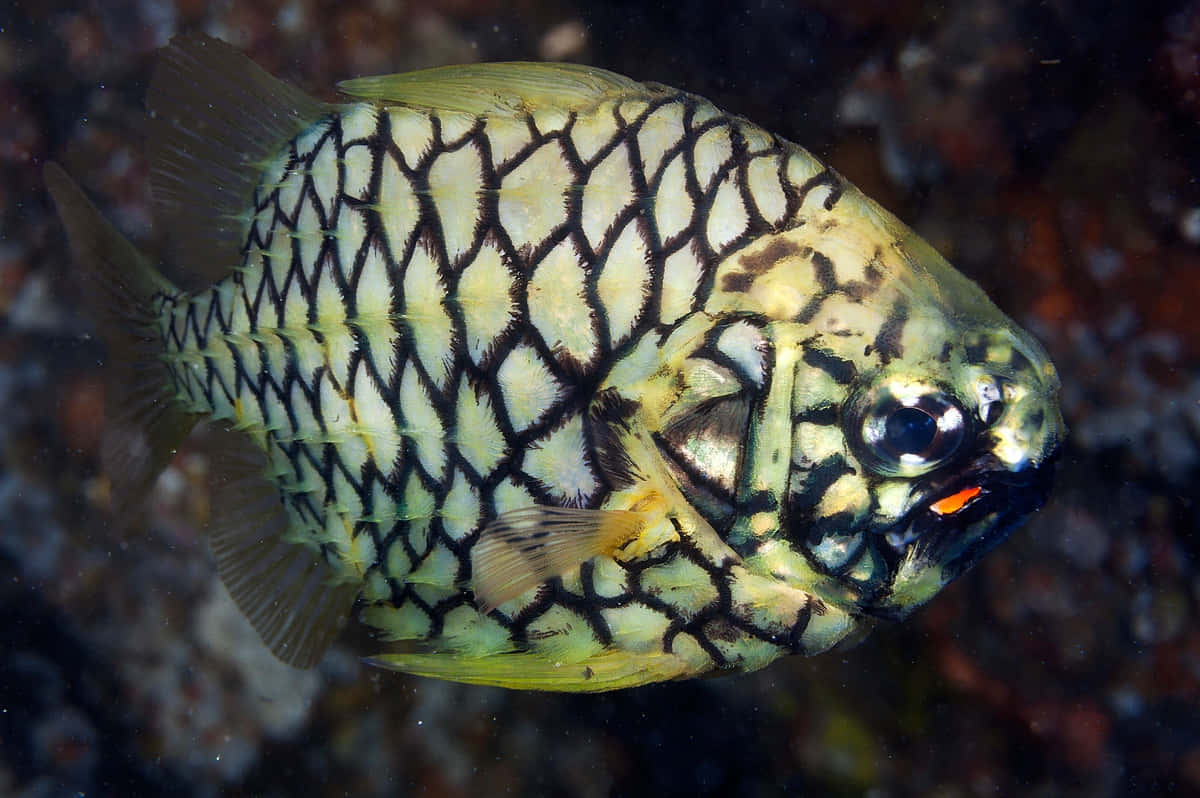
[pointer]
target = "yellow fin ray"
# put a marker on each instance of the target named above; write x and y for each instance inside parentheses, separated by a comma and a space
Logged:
(608, 670)
(496, 88)
(525, 547)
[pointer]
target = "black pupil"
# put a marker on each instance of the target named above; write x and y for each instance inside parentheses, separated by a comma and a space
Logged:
(910, 430)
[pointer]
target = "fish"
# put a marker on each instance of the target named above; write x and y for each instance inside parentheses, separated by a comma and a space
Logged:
(548, 378)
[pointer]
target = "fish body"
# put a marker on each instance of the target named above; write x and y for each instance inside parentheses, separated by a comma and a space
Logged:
(565, 381)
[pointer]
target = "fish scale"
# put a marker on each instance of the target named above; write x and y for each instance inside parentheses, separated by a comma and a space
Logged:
(570, 382)
(432, 293)
(548, 455)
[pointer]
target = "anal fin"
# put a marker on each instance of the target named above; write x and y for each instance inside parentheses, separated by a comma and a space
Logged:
(294, 599)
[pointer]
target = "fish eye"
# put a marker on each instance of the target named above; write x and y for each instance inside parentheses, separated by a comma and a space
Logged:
(908, 430)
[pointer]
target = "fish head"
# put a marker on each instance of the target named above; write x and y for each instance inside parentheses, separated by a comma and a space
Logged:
(951, 424)
(956, 458)
(923, 422)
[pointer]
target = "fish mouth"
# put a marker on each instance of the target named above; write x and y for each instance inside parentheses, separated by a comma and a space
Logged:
(960, 519)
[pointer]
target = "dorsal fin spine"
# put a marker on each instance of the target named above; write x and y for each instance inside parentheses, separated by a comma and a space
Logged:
(503, 87)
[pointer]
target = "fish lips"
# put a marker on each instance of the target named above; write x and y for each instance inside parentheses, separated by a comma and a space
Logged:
(935, 545)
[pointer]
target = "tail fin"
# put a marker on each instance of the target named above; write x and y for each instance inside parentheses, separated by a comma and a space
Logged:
(143, 425)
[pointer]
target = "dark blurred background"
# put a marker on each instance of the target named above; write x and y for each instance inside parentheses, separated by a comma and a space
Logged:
(1050, 149)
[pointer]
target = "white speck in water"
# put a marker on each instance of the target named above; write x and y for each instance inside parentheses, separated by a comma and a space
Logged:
(1104, 263)
(1126, 702)
(290, 18)
(1189, 225)
(564, 41)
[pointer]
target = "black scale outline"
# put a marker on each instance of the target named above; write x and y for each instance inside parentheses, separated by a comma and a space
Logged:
(635, 213)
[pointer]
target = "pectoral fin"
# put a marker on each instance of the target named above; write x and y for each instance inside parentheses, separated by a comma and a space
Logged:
(525, 547)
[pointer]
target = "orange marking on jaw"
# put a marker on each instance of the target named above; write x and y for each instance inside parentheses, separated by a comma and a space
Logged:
(955, 501)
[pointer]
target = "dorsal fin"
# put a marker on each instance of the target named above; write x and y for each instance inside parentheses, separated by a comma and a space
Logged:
(216, 117)
(496, 88)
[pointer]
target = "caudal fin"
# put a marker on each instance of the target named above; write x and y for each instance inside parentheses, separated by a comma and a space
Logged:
(143, 424)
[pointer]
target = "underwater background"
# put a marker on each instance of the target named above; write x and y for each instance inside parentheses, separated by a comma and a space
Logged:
(1050, 149)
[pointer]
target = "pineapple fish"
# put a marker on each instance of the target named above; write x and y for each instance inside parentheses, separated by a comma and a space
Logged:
(554, 379)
